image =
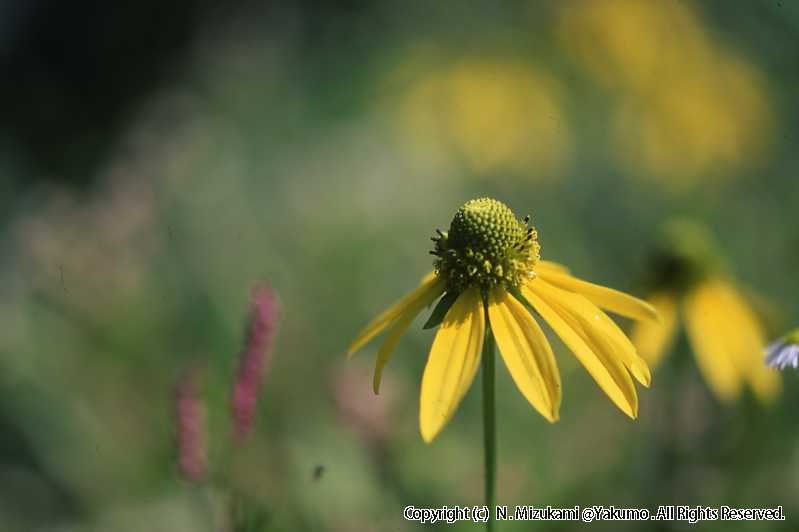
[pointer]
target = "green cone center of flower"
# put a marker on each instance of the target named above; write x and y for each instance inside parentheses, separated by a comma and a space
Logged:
(486, 245)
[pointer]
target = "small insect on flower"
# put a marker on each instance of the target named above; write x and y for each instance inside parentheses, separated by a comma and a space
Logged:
(490, 274)
(784, 352)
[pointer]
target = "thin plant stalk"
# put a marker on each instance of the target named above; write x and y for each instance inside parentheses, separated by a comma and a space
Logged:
(489, 427)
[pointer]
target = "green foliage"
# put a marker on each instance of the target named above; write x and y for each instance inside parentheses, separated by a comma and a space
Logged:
(272, 159)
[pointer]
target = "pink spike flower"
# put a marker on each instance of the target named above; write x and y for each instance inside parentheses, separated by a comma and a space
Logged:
(254, 359)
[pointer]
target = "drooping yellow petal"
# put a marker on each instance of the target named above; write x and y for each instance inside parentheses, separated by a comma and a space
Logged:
(392, 313)
(746, 342)
(548, 265)
(765, 382)
(605, 339)
(608, 371)
(526, 353)
(602, 296)
(610, 337)
(398, 328)
(452, 364)
(705, 324)
(629, 354)
(653, 339)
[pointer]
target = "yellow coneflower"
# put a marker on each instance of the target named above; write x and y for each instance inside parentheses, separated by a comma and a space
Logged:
(490, 275)
(724, 332)
(489, 271)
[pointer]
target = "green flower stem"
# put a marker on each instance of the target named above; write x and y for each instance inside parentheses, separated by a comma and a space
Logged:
(489, 427)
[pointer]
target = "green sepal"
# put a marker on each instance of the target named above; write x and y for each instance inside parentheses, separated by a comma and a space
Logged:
(441, 310)
(515, 292)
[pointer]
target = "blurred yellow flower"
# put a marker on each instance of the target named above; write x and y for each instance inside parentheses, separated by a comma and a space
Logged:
(725, 334)
(687, 107)
(489, 115)
(491, 277)
(705, 124)
(634, 44)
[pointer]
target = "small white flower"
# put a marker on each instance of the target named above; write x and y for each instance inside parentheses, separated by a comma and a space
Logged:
(784, 352)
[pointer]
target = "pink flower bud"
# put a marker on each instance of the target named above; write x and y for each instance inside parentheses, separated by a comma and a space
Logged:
(254, 360)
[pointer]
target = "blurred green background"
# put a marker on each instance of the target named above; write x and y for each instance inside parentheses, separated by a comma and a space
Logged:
(157, 161)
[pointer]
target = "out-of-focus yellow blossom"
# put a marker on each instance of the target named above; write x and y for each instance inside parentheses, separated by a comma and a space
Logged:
(725, 334)
(705, 124)
(688, 107)
(488, 115)
(632, 44)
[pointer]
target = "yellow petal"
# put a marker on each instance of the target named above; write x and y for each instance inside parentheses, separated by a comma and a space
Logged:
(605, 339)
(608, 371)
(611, 337)
(629, 354)
(652, 339)
(526, 353)
(707, 332)
(392, 313)
(746, 342)
(765, 383)
(399, 327)
(548, 265)
(602, 296)
(452, 364)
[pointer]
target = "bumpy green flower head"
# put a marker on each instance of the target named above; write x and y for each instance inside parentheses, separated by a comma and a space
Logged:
(486, 245)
